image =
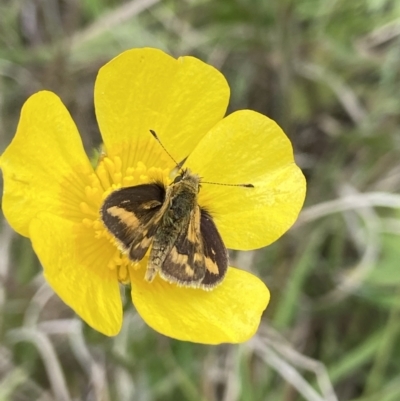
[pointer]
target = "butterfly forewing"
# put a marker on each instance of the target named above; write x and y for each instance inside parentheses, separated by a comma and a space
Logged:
(184, 264)
(131, 215)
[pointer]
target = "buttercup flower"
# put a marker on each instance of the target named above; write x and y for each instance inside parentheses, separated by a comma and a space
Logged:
(53, 195)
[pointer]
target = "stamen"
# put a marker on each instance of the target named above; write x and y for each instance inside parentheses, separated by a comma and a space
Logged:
(107, 178)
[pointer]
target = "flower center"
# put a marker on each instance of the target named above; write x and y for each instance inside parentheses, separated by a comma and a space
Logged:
(108, 177)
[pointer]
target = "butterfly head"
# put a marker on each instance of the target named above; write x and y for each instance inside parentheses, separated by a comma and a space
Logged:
(188, 180)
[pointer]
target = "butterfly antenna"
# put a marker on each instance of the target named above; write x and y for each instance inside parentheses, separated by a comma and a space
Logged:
(179, 165)
(229, 185)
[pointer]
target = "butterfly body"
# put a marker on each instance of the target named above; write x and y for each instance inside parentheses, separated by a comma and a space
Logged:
(186, 247)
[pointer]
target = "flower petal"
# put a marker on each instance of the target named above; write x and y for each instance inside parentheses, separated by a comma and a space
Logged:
(228, 314)
(146, 89)
(75, 266)
(247, 147)
(45, 157)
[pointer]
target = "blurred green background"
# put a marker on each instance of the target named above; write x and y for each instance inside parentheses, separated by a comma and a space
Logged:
(329, 72)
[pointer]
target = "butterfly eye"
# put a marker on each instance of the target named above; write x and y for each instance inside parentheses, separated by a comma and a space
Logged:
(177, 179)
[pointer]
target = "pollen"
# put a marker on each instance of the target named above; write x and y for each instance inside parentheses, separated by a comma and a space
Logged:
(108, 177)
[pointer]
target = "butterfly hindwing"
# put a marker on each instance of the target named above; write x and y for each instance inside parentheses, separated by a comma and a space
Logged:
(214, 251)
(132, 215)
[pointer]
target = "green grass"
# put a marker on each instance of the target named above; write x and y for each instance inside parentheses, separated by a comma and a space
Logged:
(327, 71)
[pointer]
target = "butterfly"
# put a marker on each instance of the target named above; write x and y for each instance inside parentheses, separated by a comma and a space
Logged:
(186, 247)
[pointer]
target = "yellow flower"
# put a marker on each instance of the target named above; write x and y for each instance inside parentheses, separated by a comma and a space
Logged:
(53, 195)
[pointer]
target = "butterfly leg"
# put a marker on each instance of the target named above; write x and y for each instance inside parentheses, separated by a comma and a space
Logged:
(151, 272)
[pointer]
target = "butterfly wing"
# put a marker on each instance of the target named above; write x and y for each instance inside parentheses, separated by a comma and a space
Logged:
(199, 257)
(131, 215)
(215, 253)
(184, 263)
